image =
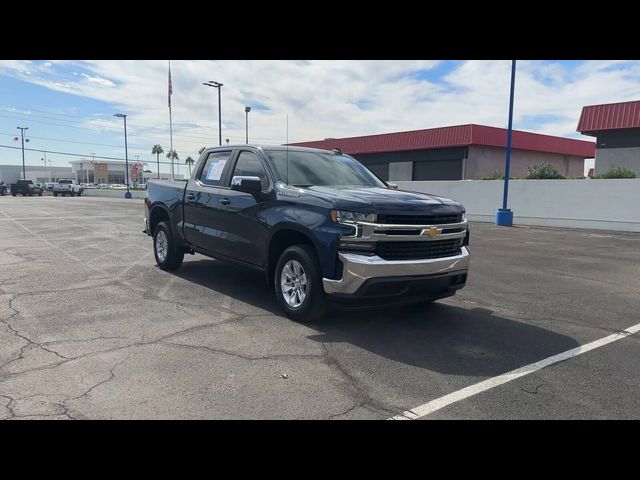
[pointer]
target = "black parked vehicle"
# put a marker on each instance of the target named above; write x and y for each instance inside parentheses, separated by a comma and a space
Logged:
(25, 187)
(3, 189)
(318, 223)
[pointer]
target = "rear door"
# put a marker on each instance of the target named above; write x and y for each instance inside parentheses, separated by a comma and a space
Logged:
(202, 210)
(245, 232)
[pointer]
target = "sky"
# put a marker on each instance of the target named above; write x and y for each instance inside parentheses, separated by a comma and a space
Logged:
(69, 105)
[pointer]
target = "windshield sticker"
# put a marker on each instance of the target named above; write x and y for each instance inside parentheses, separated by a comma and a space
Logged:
(215, 169)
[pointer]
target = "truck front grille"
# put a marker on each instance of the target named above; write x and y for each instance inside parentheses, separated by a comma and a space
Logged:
(418, 250)
(436, 219)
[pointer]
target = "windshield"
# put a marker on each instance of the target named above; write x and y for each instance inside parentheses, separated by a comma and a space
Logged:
(65, 181)
(306, 169)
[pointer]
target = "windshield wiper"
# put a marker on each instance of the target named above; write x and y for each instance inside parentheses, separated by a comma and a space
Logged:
(303, 185)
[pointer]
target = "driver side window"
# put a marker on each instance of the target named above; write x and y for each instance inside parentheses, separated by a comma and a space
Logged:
(249, 165)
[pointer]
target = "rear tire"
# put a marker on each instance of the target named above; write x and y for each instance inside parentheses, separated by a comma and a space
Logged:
(55, 194)
(169, 255)
(40, 194)
(298, 270)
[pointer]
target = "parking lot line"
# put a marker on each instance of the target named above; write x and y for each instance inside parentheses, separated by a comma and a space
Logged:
(439, 403)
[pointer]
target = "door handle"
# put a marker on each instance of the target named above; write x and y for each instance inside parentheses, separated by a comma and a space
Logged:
(191, 196)
(225, 201)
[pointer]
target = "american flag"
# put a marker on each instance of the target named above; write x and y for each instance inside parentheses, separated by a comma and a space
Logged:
(170, 87)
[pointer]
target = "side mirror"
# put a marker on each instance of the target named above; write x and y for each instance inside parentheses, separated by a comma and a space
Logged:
(246, 184)
(392, 186)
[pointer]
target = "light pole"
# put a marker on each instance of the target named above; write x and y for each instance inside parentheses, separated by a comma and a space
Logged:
(246, 123)
(504, 215)
(93, 166)
(22, 129)
(50, 168)
(217, 85)
(44, 160)
(126, 154)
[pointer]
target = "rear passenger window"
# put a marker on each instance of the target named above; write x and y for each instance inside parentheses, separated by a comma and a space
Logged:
(213, 168)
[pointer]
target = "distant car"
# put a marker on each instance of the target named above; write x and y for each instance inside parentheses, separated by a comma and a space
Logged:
(102, 185)
(67, 186)
(48, 186)
(3, 189)
(25, 187)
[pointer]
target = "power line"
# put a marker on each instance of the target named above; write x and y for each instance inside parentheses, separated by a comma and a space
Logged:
(158, 129)
(71, 154)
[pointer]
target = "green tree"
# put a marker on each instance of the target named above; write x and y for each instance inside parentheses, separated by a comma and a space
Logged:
(543, 171)
(157, 150)
(189, 161)
(172, 155)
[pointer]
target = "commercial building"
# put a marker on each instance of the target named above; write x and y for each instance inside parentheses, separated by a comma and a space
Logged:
(113, 171)
(459, 152)
(616, 127)
(12, 173)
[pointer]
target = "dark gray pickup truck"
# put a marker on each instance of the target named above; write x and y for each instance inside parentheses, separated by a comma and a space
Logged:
(319, 225)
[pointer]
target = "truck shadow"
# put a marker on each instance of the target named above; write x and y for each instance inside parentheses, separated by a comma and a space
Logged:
(439, 337)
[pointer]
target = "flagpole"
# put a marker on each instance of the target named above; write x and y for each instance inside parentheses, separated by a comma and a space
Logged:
(170, 122)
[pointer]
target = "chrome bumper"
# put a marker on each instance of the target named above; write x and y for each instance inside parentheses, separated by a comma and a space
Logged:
(357, 269)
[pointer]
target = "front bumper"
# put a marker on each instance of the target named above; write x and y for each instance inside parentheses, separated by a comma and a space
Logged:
(362, 270)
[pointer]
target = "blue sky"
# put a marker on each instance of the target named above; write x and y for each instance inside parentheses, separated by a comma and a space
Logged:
(69, 105)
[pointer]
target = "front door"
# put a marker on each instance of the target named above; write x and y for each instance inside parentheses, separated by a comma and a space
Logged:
(202, 209)
(245, 231)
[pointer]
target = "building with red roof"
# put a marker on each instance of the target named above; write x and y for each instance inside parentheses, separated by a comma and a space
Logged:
(616, 127)
(459, 152)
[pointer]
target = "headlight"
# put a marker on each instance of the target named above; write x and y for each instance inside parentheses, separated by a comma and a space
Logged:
(340, 216)
(464, 216)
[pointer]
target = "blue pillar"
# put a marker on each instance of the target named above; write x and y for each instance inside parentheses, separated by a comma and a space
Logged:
(504, 216)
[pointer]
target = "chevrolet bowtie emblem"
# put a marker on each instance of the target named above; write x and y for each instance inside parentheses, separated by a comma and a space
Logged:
(432, 232)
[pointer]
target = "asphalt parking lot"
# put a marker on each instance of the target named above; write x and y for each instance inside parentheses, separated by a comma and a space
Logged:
(90, 328)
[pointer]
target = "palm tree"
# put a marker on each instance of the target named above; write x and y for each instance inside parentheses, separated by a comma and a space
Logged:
(172, 155)
(157, 150)
(189, 161)
(202, 150)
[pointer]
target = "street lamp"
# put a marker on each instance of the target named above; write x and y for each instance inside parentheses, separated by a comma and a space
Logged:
(217, 85)
(22, 129)
(246, 123)
(126, 154)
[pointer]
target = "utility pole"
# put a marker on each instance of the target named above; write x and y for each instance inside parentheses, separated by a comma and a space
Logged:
(504, 215)
(22, 129)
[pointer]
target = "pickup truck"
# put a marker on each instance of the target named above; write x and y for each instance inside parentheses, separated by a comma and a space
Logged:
(321, 227)
(67, 186)
(25, 187)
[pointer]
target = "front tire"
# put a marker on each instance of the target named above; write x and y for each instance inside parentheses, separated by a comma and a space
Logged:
(298, 284)
(55, 194)
(168, 254)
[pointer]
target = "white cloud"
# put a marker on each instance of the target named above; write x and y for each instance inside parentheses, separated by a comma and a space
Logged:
(332, 98)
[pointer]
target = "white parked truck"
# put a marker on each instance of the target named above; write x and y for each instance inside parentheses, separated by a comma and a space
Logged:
(67, 186)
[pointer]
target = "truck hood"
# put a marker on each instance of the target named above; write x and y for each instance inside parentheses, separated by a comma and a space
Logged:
(383, 200)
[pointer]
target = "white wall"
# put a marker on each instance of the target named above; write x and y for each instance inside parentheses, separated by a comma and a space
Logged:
(599, 204)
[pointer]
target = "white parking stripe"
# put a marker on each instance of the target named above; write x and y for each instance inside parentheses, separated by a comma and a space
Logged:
(438, 403)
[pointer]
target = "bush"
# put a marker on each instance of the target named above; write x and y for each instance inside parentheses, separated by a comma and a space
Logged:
(618, 172)
(543, 171)
(496, 176)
